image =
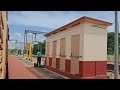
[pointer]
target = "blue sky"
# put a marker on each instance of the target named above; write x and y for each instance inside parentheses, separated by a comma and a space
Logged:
(49, 20)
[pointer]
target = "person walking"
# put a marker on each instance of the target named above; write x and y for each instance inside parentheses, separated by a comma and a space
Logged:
(39, 58)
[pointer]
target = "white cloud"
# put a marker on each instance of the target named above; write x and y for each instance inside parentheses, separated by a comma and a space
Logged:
(18, 35)
(40, 38)
(29, 34)
(49, 19)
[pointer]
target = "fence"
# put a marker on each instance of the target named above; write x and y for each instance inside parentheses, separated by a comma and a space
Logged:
(110, 58)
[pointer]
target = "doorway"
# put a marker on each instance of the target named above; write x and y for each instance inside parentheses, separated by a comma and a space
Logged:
(54, 54)
(62, 53)
(47, 59)
(75, 45)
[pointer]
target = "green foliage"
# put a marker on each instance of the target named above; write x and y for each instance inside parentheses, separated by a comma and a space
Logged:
(35, 49)
(110, 43)
(19, 52)
(41, 47)
(14, 51)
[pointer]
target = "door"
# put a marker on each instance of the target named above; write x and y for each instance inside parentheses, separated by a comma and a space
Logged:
(75, 45)
(54, 54)
(62, 53)
(47, 53)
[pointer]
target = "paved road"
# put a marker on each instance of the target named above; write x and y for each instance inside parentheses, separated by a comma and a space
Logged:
(18, 70)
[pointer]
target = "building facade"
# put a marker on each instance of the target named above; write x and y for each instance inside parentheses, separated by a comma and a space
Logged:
(4, 37)
(78, 49)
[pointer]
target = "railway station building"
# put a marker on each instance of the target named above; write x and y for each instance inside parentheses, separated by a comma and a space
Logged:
(78, 49)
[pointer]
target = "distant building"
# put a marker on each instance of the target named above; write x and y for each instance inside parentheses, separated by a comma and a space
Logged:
(78, 49)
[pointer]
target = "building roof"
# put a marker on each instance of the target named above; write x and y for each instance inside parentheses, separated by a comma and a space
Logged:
(78, 21)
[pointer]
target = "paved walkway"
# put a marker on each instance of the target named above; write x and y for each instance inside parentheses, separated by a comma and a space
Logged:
(18, 70)
(24, 69)
(47, 74)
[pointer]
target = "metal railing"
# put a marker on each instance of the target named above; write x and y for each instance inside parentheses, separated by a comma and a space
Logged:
(110, 58)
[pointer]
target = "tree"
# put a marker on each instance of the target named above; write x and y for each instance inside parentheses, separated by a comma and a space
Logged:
(35, 49)
(43, 44)
(41, 47)
(110, 43)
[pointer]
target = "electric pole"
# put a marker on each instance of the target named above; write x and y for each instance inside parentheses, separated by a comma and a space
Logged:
(116, 63)
(24, 44)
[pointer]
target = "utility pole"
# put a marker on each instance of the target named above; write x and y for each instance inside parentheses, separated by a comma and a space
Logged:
(26, 39)
(32, 46)
(15, 46)
(35, 36)
(16, 49)
(24, 44)
(116, 63)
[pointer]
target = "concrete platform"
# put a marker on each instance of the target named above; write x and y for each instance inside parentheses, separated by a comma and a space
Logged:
(47, 74)
(18, 70)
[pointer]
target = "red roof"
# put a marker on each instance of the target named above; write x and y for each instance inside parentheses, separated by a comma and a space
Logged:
(78, 21)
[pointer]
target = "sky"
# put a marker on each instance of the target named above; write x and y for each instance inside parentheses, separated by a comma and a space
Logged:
(47, 21)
